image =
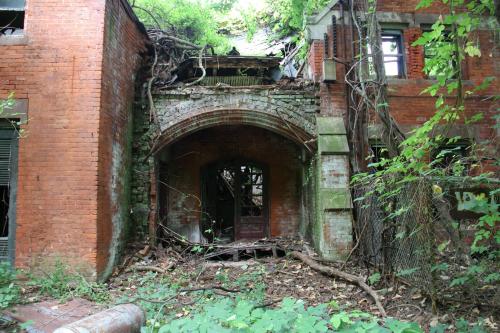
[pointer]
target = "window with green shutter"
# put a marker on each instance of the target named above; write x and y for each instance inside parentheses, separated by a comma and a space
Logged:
(8, 189)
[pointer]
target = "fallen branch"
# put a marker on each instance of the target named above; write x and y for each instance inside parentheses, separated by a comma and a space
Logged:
(147, 269)
(200, 64)
(330, 271)
(184, 290)
(265, 305)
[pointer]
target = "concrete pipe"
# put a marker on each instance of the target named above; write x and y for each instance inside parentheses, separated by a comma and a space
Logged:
(125, 318)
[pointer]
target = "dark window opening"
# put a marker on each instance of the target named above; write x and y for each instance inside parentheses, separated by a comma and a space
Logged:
(224, 207)
(12, 17)
(8, 144)
(392, 48)
(453, 157)
(378, 153)
(4, 210)
(234, 202)
(251, 194)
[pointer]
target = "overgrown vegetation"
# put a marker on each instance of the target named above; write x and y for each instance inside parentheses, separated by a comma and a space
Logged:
(190, 20)
(293, 315)
(213, 22)
(59, 283)
(410, 187)
(9, 290)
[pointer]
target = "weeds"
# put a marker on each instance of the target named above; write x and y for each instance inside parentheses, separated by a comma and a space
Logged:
(9, 290)
(62, 285)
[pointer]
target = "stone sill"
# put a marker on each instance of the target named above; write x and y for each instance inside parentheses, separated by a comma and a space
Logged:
(14, 40)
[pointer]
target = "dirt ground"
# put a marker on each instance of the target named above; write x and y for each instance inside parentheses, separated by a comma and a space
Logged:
(149, 277)
(281, 277)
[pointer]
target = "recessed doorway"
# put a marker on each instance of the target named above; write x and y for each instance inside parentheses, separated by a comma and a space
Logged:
(235, 203)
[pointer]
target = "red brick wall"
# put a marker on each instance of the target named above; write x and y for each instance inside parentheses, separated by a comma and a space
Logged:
(408, 6)
(408, 106)
(315, 58)
(59, 69)
(123, 45)
(189, 155)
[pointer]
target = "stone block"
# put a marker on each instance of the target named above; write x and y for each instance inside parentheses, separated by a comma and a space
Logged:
(333, 144)
(330, 125)
(335, 199)
(334, 171)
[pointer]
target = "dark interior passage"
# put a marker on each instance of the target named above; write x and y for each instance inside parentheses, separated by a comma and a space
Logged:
(234, 200)
(232, 182)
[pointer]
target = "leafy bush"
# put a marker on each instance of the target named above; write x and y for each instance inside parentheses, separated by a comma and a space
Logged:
(9, 291)
(227, 315)
(190, 20)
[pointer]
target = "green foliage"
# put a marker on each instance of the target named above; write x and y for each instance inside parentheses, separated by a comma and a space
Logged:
(374, 278)
(62, 285)
(9, 290)
(148, 289)
(451, 41)
(5, 103)
(292, 315)
(190, 20)
(288, 16)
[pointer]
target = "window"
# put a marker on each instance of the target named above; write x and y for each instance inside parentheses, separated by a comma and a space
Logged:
(12, 17)
(453, 157)
(8, 176)
(251, 194)
(378, 153)
(392, 48)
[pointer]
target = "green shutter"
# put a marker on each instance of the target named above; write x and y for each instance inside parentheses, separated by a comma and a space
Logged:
(8, 175)
(5, 154)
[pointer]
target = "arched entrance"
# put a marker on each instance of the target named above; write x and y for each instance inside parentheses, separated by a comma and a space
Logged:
(235, 200)
(232, 182)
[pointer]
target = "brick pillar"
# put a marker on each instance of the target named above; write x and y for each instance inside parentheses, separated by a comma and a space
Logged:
(332, 231)
(315, 59)
(414, 54)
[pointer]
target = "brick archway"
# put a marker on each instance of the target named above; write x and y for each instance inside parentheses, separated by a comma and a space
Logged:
(218, 117)
(288, 112)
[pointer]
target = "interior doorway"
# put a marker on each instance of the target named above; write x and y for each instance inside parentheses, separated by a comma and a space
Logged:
(235, 202)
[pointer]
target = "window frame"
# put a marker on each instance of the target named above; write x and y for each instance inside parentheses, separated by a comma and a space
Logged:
(20, 8)
(397, 35)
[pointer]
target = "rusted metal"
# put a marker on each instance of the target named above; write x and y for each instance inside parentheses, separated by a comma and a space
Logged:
(125, 318)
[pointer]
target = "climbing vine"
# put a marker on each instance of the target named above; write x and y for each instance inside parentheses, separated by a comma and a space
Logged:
(410, 186)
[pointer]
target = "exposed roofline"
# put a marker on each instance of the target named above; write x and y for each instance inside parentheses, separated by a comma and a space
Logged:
(314, 19)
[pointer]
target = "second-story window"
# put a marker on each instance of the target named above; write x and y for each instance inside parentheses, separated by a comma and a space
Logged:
(393, 50)
(12, 17)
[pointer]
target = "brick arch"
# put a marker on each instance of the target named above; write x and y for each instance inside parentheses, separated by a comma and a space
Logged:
(289, 112)
(202, 119)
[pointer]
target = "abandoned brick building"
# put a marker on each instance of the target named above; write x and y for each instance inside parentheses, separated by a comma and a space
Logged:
(238, 156)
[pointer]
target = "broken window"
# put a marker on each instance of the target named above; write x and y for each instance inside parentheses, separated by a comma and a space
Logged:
(392, 48)
(12, 17)
(251, 191)
(234, 202)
